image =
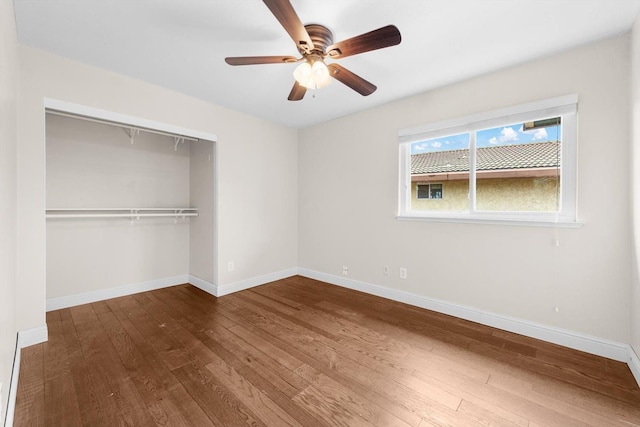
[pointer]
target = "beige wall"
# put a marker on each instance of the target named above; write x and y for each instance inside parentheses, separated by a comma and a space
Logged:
(256, 177)
(634, 317)
(497, 194)
(8, 179)
(201, 229)
(347, 215)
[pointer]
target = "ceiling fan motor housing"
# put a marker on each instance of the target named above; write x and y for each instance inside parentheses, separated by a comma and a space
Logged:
(321, 36)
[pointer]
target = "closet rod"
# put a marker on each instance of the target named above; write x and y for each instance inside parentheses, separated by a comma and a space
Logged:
(124, 215)
(122, 125)
(178, 210)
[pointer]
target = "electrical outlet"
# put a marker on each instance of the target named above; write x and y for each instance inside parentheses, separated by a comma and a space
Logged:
(403, 273)
(345, 270)
(230, 266)
(385, 270)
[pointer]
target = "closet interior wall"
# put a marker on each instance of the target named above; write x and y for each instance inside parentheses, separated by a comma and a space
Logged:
(95, 165)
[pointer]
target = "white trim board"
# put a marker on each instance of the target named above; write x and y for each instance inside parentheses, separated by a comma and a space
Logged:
(120, 291)
(33, 336)
(202, 284)
(218, 291)
(589, 344)
(97, 113)
(255, 281)
(13, 388)
(634, 364)
(25, 338)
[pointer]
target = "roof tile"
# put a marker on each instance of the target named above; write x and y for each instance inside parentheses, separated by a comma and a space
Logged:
(516, 156)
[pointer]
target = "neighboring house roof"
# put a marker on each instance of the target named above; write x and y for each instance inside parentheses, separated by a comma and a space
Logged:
(500, 157)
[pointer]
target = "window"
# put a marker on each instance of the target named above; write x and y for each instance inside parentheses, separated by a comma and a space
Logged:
(516, 164)
(424, 190)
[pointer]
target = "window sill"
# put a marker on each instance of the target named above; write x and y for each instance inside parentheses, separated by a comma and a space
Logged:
(493, 221)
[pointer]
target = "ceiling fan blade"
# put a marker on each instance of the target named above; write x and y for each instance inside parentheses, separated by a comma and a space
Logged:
(252, 60)
(284, 12)
(352, 80)
(376, 39)
(297, 92)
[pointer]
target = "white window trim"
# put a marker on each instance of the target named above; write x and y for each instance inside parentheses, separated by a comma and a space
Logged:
(564, 106)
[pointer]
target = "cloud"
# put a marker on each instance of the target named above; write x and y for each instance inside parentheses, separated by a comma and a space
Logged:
(540, 134)
(436, 144)
(506, 135)
(537, 134)
(421, 147)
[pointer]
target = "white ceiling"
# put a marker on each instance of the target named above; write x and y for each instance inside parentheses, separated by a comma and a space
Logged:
(182, 44)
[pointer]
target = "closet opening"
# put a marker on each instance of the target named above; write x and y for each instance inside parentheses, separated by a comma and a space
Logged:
(130, 207)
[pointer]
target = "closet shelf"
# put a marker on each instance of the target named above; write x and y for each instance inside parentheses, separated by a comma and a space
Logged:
(131, 213)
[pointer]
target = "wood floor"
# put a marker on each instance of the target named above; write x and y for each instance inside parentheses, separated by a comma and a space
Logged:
(305, 353)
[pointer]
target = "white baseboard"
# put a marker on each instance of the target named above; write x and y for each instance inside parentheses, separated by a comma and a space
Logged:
(33, 336)
(199, 283)
(26, 338)
(13, 388)
(120, 291)
(634, 364)
(594, 345)
(255, 281)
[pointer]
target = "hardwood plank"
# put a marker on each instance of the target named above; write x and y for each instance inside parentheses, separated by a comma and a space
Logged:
(256, 400)
(314, 347)
(30, 403)
(156, 386)
(404, 388)
(484, 416)
(220, 404)
(302, 352)
(163, 409)
(248, 354)
(61, 402)
(328, 390)
(271, 390)
(110, 381)
(370, 394)
(273, 378)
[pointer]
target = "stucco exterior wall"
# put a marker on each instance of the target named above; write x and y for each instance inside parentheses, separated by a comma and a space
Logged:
(496, 194)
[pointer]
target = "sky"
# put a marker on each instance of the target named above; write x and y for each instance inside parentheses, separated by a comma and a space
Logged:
(504, 135)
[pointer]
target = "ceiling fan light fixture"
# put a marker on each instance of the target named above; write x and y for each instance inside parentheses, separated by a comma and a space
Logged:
(312, 74)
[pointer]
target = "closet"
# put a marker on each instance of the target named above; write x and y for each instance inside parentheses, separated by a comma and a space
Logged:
(127, 208)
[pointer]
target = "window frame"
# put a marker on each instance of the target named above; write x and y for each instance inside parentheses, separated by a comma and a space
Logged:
(565, 106)
(429, 184)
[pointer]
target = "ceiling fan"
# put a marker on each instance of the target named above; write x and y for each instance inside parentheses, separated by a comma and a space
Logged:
(315, 43)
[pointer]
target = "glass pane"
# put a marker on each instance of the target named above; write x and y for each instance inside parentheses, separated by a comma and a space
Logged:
(518, 167)
(423, 191)
(436, 191)
(440, 174)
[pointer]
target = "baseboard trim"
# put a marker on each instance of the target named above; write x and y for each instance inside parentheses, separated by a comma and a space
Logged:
(33, 336)
(199, 283)
(255, 281)
(120, 291)
(575, 340)
(13, 387)
(634, 364)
